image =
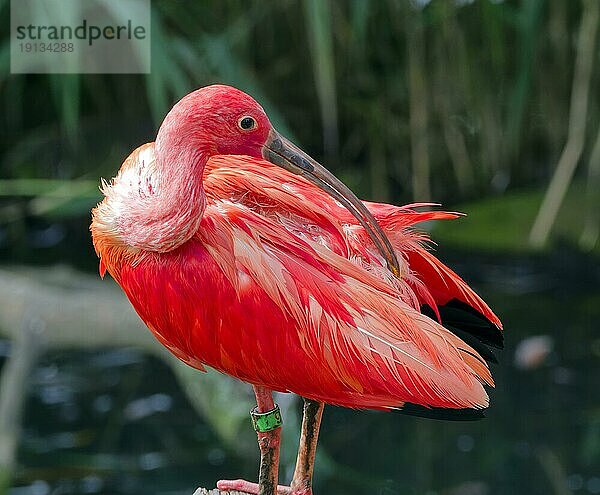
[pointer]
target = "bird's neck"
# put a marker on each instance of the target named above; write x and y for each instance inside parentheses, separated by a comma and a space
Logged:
(157, 200)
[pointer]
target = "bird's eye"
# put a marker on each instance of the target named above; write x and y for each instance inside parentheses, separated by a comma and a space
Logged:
(247, 123)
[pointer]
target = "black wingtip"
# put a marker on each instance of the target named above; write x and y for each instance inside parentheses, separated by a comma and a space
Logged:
(441, 413)
(470, 325)
(461, 315)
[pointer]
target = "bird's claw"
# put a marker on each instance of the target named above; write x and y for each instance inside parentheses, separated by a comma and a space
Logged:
(252, 488)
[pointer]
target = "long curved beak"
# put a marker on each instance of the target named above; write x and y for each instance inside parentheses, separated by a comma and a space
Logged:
(279, 151)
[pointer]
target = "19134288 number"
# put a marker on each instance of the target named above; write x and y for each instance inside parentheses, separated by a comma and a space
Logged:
(41, 47)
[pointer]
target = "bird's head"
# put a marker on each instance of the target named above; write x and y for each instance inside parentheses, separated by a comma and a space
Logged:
(223, 120)
(216, 119)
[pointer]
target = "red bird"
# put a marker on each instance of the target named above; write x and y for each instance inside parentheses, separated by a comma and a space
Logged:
(242, 253)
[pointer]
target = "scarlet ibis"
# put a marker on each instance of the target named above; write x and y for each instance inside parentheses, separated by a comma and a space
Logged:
(242, 253)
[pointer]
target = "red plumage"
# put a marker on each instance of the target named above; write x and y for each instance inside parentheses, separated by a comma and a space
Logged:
(277, 284)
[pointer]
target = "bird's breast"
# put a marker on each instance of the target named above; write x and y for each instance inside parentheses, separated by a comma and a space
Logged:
(193, 306)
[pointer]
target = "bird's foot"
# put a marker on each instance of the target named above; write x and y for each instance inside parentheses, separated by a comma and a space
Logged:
(248, 487)
(252, 488)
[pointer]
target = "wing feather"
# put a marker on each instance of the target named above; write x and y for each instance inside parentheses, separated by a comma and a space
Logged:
(348, 326)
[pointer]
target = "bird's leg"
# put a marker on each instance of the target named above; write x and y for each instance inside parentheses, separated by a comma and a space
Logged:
(269, 452)
(311, 422)
(267, 423)
(268, 442)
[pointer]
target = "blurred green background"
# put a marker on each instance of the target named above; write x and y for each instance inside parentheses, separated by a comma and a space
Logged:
(489, 107)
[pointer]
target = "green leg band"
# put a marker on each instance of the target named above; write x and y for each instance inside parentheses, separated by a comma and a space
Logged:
(267, 421)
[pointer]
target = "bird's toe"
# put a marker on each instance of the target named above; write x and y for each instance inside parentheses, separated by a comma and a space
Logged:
(248, 487)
